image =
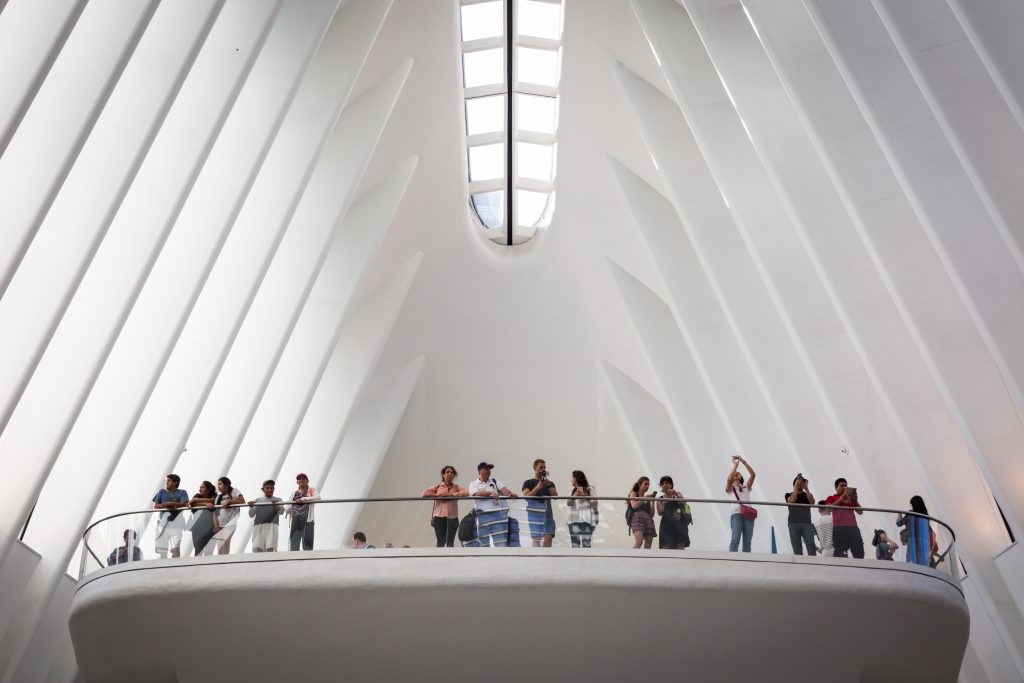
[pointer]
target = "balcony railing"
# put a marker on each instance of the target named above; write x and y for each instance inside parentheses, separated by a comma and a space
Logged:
(586, 522)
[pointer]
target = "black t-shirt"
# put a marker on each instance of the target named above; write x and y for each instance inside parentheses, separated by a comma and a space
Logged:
(799, 515)
(530, 483)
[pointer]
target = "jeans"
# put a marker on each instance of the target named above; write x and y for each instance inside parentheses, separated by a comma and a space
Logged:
(847, 538)
(802, 531)
(445, 530)
(740, 527)
(581, 533)
(301, 532)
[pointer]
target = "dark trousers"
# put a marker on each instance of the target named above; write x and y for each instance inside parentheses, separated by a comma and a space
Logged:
(301, 532)
(581, 534)
(847, 538)
(802, 531)
(445, 530)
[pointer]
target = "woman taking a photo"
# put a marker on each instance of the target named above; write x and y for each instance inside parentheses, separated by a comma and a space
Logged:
(742, 516)
(445, 515)
(582, 513)
(641, 523)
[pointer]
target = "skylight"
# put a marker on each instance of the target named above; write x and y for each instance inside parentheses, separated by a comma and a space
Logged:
(511, 112)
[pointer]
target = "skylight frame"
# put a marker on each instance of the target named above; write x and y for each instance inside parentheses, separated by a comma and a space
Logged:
(512, 230)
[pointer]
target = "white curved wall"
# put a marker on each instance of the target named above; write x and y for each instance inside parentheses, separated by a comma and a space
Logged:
(234, 238)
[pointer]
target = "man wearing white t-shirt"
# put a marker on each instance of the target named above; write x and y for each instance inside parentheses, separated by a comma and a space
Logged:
(491, 510)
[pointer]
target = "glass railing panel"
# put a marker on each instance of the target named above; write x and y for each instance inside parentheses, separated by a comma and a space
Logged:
(605, 523)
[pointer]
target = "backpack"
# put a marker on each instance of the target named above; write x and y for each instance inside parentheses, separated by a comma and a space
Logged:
(687, 515)
(629, 518)
(467, 528)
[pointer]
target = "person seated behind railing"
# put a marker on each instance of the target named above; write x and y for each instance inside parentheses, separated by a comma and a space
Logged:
(129, 552)
(884, 546)
(359, 542)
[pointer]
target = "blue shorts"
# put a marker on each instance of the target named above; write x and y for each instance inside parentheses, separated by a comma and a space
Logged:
(541, 524)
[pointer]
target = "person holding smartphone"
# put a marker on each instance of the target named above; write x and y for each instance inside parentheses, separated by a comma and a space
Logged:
(846, 536)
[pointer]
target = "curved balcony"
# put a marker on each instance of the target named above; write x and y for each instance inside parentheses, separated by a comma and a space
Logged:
(599, 613)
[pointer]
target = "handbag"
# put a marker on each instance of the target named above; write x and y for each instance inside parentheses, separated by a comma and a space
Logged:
(746, 512)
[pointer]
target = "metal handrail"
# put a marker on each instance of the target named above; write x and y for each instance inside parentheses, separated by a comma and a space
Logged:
(398, 499)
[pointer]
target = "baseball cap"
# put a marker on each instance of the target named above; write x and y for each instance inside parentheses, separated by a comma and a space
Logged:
(484, 464)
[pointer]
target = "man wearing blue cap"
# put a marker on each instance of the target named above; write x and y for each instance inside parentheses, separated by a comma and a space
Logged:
(491, 510)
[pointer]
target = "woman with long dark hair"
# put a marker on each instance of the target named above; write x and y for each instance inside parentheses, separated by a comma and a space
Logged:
(225, 518)
(641, 523)
(201, 524)
(920, 539)
(583, 514)
(445, 515)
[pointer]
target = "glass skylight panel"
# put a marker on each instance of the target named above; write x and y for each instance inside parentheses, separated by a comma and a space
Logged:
(483, 20)
(485, 115)
(490, 207)
(535, 161)
(540, 19)
(531, 206)
(483, 67)
(537, 66)
(487, 162)
(536, 113)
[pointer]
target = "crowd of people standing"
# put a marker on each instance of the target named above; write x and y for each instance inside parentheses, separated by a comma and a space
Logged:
(216, 509)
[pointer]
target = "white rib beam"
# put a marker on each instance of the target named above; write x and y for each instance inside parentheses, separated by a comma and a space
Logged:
(55, 262)
(170, 413)
(325, 423)
(79, 347)
(298, 261)
(273, 424)
(32, 34)
(60, 118)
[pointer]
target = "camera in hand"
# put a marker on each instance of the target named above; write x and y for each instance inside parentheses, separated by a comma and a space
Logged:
(543, 474)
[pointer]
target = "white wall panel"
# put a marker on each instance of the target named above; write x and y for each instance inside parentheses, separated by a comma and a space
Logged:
(718, 272)
(298, 260)
(791, 165)
(366, 329)
(912, 231)
(104, 424)
(227, 292)
(317, 330)
(691, 411)
(994, 27)
(60, 118)
(890, 342)
(65, 375)
(31, 36)
(72, 230)
(353, 470)
(967, 105)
